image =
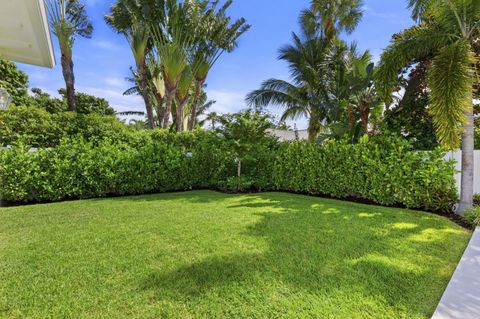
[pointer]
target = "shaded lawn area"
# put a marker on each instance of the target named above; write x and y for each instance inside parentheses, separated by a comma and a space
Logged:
(203, 254)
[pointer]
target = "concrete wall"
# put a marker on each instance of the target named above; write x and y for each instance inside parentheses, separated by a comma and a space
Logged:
(457, 156)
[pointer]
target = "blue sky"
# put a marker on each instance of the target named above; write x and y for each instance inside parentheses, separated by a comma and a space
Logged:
(102, 63)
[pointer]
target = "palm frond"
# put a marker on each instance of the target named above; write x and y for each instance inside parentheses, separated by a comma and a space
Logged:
(450, 79)
(415, 43)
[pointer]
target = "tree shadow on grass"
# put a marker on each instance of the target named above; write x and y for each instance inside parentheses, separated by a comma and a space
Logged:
(400, 259)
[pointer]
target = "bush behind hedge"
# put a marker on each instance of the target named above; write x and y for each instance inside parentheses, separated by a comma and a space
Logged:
(382, 170)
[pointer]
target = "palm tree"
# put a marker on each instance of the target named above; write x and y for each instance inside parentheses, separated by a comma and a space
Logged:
(214, 35)
(137, 37)
(447, 30)
(333, 16)
(130, 18)
(202, 116)
(306, 95)
(68, 20)
(364, 97)
(171, 38)
(213, 118)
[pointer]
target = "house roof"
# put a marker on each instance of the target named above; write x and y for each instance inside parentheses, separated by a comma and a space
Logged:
(24, 32)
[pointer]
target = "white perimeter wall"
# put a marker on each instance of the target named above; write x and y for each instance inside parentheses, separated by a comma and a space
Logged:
(457, 156)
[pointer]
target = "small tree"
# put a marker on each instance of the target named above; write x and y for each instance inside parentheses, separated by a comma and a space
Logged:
(245, 130)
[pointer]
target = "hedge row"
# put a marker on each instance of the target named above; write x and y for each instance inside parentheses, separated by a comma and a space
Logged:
(78, 169)
(385, 170)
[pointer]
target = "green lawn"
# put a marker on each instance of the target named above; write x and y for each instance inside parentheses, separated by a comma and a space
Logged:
(204, 254)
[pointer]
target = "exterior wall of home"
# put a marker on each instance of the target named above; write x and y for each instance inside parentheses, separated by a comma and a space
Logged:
(457, 156)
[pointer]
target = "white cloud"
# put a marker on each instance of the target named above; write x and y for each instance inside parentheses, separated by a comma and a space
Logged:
(115, 82)
(227, 101)
(116, 98)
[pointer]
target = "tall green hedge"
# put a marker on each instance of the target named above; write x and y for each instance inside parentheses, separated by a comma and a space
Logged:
(383, 170)
(79, 169)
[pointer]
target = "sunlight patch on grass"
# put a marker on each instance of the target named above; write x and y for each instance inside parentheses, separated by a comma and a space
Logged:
(368, 215)
(403, 226)
(433, 234)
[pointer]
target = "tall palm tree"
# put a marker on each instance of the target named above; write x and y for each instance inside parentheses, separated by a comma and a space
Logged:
(137, 37)
(306, 95)
(171, 38)
(68, 19)
(448, 31)
(132, 18)
(214, 35)
(333, 16)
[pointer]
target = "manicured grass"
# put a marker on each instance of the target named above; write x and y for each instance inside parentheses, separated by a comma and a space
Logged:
(209, 255)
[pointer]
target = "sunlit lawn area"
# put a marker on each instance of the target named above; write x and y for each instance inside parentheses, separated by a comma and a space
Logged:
(204, 254)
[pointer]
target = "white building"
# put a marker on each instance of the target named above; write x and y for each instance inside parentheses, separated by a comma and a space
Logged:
(284, 135)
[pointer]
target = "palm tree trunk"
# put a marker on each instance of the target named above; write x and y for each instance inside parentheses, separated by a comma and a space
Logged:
(364, 115)
(193, 115)
(179, 117)
(351, 118)
(160, 109)
(313, 129)
(169, 95)
(145, 94)
(69, 77)
(466, 194)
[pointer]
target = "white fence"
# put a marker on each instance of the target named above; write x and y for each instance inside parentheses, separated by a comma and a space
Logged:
(457, 156)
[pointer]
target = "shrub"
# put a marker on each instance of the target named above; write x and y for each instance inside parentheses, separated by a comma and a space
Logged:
(39, 128)
(472, 217)
(85, 169)
(476, 199)
(384, 170)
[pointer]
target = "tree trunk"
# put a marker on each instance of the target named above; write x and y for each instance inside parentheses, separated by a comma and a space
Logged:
(169, 95)
(193, 115)
(364, 115)
(351, 117)
(179, 117)
(466, 194)
(313, 127)
(160, 109)
(69, 77)
(145, 94)
(239, 168)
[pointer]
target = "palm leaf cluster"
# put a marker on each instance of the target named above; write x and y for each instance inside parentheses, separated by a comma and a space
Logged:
(331, 83)
(180, 41)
